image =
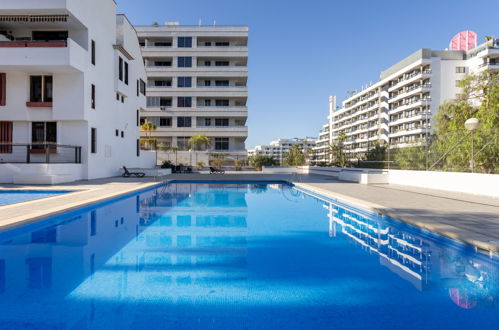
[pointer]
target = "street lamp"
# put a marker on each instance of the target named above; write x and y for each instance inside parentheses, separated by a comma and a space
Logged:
(471, 125)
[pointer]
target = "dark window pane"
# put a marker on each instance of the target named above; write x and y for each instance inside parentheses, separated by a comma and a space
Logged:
(48, 88)
(126, 73)
(36, 89)
(120, 68)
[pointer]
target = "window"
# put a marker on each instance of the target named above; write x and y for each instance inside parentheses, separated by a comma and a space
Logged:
(126, 73)
(165, 122)
(117, 96)
(142, 87)
(184, 82)
(122, 99)
(183, 142)
(184, 121)
(138, 118)
(93, 52)
(221, 63)
(159, 102)
(122, 134)
(3, 89)
(184, 42)
(42, 132)
(138, 87)
(207, 63)
(222, 44)
(221, 83)
(184, 62)
(163, 83)
(163, 44)
(120, 68)
(221, 143)
(207, 122)
(93, 96)
(6, 136)
(50, 35)
(137, 146)
(460, 69)
(184, 102)
(93, 140)
(207, 103)
(222, 103)
(41, 89)
(117, 132)
(162, 63)
(207, 43)
(207, 82)
(221, 122)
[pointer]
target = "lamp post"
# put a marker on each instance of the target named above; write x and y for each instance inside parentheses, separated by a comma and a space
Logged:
(471, 125)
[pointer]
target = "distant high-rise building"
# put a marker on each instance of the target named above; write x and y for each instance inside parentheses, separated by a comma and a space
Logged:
(197, 84)
(397, 110)
(278, 149)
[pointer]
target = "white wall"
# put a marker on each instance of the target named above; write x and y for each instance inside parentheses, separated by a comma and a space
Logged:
(471, 183)
(9, 171)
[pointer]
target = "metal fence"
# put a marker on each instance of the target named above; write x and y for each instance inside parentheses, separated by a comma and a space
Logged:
(466, 152)
(39, 153)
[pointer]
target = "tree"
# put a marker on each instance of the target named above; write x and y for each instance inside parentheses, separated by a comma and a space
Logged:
(339, 158)
(410, 158)
(479, 98)
(295, 156)
(148, 127)
(198, 141)
(375, 157)
(259, 161)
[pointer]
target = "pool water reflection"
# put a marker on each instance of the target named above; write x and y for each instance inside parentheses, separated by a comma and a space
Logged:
(192, 255)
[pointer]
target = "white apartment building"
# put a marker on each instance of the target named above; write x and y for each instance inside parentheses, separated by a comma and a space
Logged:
(197, 84)
(278, 149)
(398, 109)
(72, 84)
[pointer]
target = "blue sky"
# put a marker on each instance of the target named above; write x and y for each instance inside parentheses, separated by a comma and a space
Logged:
(303, 51)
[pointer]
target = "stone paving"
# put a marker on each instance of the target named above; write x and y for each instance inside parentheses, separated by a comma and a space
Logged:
(468, 218)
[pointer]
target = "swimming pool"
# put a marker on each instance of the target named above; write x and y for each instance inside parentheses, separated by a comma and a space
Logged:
(239, 256)
(16, 196)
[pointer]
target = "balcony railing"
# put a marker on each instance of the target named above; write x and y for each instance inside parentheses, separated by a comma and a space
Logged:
(39, 153)
(34, 44)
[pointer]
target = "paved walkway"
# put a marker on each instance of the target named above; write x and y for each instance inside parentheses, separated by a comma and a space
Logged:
(468, 218)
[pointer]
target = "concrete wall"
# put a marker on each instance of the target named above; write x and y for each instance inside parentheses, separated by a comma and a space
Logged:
(471, 183)
(70, 172)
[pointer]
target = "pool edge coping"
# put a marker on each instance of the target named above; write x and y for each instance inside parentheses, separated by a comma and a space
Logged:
(484, 247)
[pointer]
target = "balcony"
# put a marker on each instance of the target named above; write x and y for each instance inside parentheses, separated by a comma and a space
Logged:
(212, 51)
(210, 131)
(52, 56)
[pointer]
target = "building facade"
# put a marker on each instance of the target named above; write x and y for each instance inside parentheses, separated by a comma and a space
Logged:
(72, 83)
(397, 110)
(278, 149)
(197, 84)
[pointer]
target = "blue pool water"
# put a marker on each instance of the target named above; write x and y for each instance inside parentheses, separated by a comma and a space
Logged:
(239, 256)
(16, 196)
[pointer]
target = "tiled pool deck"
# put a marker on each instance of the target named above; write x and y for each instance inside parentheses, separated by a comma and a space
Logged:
(468, 218)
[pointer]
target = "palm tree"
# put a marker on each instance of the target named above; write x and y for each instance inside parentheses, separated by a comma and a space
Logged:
(197, 142)
(148, 127)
